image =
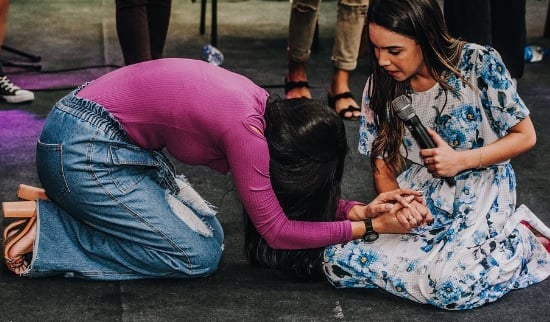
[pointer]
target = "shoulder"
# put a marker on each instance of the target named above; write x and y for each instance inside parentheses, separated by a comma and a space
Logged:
(478, 54)
(482, 62)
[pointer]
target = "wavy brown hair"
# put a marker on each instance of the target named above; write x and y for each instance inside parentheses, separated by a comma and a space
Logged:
(421, 20)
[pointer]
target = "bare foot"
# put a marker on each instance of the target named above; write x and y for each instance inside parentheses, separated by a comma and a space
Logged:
(298, 92)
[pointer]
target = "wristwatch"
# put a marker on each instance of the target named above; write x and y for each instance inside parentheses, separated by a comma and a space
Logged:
(370, 234)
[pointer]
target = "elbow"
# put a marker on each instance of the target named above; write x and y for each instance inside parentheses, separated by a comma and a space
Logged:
(275, 244)
(529, 133)
(532, 141)
(279, 242)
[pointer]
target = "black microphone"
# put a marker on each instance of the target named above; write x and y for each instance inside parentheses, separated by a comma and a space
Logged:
(402, 105)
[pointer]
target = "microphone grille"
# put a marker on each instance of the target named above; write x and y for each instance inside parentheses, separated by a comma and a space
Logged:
(402, 106)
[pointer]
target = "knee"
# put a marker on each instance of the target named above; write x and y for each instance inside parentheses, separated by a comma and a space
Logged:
(306, 6)
(352, 10)
(197, 261)
(454, 291)
(362, 4)
(207, 263)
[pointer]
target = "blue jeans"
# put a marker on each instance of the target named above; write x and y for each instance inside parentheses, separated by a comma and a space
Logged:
(116, 211)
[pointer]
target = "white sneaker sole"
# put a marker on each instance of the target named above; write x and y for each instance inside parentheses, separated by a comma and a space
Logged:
(22, 97)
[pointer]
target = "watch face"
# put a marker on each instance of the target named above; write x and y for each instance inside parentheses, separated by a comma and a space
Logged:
(370, 237)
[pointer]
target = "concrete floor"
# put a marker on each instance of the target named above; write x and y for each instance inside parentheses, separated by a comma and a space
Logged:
(77, 42)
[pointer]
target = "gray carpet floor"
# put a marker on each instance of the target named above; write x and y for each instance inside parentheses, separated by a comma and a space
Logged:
(76, 41)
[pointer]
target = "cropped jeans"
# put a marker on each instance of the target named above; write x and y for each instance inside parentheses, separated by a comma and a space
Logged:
(350, 20)
(116, 211)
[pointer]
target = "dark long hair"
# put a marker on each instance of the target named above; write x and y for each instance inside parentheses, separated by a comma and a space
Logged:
(307, 146)
(421, 20)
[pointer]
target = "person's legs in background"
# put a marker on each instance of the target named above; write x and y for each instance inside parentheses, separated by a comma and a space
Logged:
(348, 33)
(509, 33)
(10, 92)
(469, 20)
(159, 19)
(142, 26)
(500, 24)
(303, 19)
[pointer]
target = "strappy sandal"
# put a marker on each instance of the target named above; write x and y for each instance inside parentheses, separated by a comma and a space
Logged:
(290, 85)
(25, 211)
(331, 100)
(16, 231)
(27, 192)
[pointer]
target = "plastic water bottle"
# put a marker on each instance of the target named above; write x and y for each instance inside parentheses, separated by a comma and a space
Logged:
(535, 53)
(212, 55)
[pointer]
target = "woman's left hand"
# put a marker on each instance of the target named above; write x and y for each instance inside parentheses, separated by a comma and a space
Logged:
(416, 215)
(442, 161)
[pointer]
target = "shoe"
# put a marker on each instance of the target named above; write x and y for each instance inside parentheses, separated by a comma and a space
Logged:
(16, 231)
(290, 85)
(19, 209)
(26, 192)
(12, 93)
(13, 233)
(537, 227)
(350, 109)
(543, 239)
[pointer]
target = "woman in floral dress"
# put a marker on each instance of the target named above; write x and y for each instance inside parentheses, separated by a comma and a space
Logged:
(477, 248)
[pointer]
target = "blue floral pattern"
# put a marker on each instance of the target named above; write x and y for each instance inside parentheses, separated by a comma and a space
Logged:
(476, 250)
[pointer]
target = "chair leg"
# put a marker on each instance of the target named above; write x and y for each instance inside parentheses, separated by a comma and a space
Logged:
(202, 27)
(214, 31)
(547, 24)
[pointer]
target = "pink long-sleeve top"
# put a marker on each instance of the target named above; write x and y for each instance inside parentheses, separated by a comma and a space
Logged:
(203, 114)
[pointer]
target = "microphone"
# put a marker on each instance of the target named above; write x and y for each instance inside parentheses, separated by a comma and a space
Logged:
(402, 105)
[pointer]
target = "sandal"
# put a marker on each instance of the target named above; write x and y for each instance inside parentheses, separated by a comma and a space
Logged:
(27, 192)
(350, 109)
(19, 209)
(17, 230)
(290, 85)
(542, 238)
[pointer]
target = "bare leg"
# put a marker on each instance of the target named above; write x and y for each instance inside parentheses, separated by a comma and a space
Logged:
(301, 30)
(350, 22)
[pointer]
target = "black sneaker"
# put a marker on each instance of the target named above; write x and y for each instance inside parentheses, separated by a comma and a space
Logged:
(12, 93)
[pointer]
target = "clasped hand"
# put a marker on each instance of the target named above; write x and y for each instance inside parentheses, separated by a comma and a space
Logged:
(396, 212)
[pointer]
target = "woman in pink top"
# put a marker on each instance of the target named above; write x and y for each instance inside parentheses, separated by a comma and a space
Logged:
(117, 209)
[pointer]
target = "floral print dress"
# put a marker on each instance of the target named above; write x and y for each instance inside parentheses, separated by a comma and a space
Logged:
(476, 250)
